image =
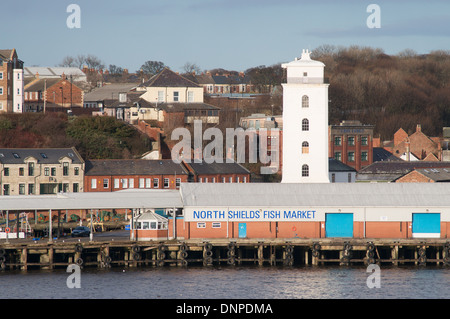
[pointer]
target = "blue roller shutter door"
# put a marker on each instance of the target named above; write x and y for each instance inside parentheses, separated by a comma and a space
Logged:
(339, 225)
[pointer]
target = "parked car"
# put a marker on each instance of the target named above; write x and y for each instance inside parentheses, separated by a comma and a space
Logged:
(81, 231)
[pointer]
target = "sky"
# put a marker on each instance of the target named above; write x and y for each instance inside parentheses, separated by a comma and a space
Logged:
(230, 34)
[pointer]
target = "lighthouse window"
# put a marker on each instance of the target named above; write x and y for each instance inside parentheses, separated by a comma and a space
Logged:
(305, 125)
(305, 170)
(305, 101)
(305, 148)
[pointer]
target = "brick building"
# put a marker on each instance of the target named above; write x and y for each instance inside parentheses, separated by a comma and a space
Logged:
(51, 93)
(351, 143)
(114, 175)
(218, 172)
(11, 82)
(417, 146)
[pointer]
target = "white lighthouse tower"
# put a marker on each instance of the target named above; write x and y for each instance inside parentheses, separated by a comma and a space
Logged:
(305, 122)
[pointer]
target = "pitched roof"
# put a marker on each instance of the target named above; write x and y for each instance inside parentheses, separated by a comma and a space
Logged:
(41, 84)
(260, 195)
(168, 78)
(6, 54)
(109, 91)
(218, 168)
(337, 166)
(181, 107)
(133, 167)
(43, 155)
(436, 174)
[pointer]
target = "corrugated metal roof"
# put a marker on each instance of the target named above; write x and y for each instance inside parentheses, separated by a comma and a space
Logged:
(152, 198)
(317, 195)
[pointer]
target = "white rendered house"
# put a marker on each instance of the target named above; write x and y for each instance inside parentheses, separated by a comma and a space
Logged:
(305, 122)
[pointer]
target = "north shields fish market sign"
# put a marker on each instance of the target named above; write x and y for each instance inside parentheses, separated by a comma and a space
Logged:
(250, 214)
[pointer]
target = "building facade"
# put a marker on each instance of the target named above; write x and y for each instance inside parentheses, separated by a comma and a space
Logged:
(218, 172)
(51, 93)
(351, 143)
(305, 122)
(11, 82)
(115, 175)
(41, 171)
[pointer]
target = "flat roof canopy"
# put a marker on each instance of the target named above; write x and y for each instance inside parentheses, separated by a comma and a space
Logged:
(152, 198)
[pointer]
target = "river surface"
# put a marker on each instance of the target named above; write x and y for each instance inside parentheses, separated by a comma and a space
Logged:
(248, 282)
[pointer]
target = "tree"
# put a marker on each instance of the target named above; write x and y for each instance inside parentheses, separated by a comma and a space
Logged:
(152, 67)
(189, 68)
(115, 70)
(68, 61)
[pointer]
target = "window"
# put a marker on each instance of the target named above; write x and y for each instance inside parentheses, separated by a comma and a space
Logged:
(364, 157)
(156, 183)
(31, 169)
(65, 187)
(305, 101)
(6, 171)
(160, 96)
(364, 140)
(1, 75)
(116, 183)
(5, 189)
(200, 180)
(305, 125)
(30, 189)
(338, 156)
(43, 155)
(201, 225)
(351, 140)
(153, 225)
(245, 179)
(53, 171)
(305, 148)
(337, 140)
(176, 96)
(223, 180)
(148, 183)
(141, 182)
(75, 187)
(21, 171)
(230, 179)
(1, 90)
(124, 183)
(177, 182)
(351, 156)
(131, 182)
(166, 183)
(65, 169)
(21, 189)
(305, 170)
(46, 171)
(190, 96)
(349, 177)
(216, 225)
(76, 171)
(145, 225)
(105, 183)
(16, 155)
(333, 178)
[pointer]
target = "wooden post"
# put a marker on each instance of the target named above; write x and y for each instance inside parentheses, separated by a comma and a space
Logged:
(260, 255)
(394, 255)
(306, 257)
(23, 259)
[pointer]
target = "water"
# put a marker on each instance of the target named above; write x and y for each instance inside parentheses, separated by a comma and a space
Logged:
(327, 282)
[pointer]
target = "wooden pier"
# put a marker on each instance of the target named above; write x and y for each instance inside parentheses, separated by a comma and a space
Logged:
(295, 252)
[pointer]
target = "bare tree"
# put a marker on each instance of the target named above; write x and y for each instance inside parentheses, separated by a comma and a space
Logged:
(152, 67)
(68, 61)
(189, 68)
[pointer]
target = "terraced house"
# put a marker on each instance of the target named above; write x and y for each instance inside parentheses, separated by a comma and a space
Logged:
(40, 171)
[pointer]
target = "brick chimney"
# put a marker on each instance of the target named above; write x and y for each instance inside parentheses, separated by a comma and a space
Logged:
(418, 128)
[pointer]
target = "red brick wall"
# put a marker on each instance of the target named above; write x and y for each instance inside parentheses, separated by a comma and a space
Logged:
(64, 97)
(414, 177)
(111, 188)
